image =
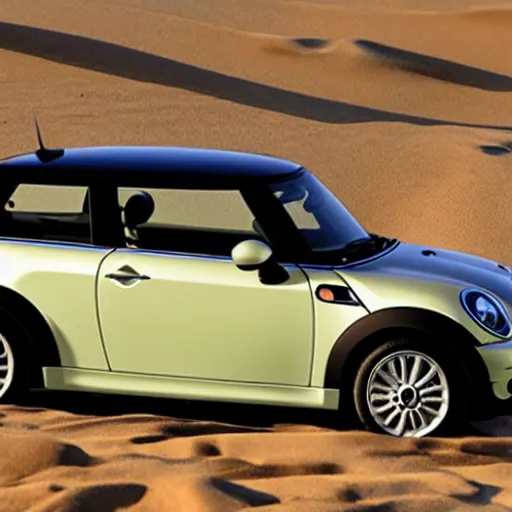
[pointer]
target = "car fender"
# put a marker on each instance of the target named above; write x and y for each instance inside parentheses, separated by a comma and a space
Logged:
(36, 325)
(370, 331)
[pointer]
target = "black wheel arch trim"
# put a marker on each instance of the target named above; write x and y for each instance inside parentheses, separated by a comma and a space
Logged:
(367, 333)
(30, 319)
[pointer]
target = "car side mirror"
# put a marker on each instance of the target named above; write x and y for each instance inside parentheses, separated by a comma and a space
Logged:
(251, 255)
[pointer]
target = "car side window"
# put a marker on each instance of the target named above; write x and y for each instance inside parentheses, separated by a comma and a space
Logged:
(203, 222)
(47, 213)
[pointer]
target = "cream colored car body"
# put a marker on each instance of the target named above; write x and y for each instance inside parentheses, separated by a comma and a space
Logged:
(233, 338)
(406, 277)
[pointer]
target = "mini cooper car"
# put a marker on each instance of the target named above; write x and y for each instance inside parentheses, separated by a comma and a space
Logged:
(217, 275)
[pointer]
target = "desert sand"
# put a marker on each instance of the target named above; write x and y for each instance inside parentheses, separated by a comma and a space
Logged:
(402, 107)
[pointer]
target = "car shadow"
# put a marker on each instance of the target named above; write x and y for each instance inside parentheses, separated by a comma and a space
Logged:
(251, 415)
(121, 61)
(242, 415)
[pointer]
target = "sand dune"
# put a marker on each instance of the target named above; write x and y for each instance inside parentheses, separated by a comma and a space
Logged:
(403, 107)
(124, 62)
(55, 461)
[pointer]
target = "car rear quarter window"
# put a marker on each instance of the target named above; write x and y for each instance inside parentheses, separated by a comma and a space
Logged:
(47, 213)
(48, 198)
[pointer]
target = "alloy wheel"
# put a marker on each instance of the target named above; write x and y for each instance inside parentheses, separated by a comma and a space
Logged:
(6, 365)
(408, 394)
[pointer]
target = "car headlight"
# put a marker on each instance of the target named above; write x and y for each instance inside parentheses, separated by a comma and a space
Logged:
(487, 312)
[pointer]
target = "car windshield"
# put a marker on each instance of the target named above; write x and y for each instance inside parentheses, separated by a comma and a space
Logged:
(324, 223)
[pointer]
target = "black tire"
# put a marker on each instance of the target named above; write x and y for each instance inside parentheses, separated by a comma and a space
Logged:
(452, 375)
(15, 344)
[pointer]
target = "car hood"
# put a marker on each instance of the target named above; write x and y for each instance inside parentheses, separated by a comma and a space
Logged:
(415, 265)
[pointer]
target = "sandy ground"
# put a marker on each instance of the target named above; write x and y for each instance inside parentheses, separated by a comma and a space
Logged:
(403, 107)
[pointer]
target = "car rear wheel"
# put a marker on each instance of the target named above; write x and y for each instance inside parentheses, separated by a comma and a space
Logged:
(410, 389)
(14, 359)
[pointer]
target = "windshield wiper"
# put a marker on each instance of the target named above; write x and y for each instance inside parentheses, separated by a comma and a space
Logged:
(374, 243)
(361, 243)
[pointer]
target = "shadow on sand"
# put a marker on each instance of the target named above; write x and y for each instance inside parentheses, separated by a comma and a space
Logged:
(121, 61)
(434, 67)
(244, 415)
(238, 414)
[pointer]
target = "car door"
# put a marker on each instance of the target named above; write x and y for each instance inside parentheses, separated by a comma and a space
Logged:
(175, 310)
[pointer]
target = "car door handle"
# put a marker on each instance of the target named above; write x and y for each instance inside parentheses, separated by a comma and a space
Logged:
(123, 276)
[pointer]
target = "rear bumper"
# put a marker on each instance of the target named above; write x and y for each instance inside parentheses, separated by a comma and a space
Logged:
(497, 358)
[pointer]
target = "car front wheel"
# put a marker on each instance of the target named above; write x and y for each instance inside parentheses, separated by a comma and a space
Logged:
(410, 389)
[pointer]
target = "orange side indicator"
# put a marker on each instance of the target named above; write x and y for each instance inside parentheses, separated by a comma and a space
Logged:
(326, 294)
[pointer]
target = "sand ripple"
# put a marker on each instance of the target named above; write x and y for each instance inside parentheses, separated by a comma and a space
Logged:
(78, 463)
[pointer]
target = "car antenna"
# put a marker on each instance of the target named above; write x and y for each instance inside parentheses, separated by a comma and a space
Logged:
(44, 154)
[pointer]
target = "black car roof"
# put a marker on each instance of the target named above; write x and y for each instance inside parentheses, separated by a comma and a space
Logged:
(161, 165)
